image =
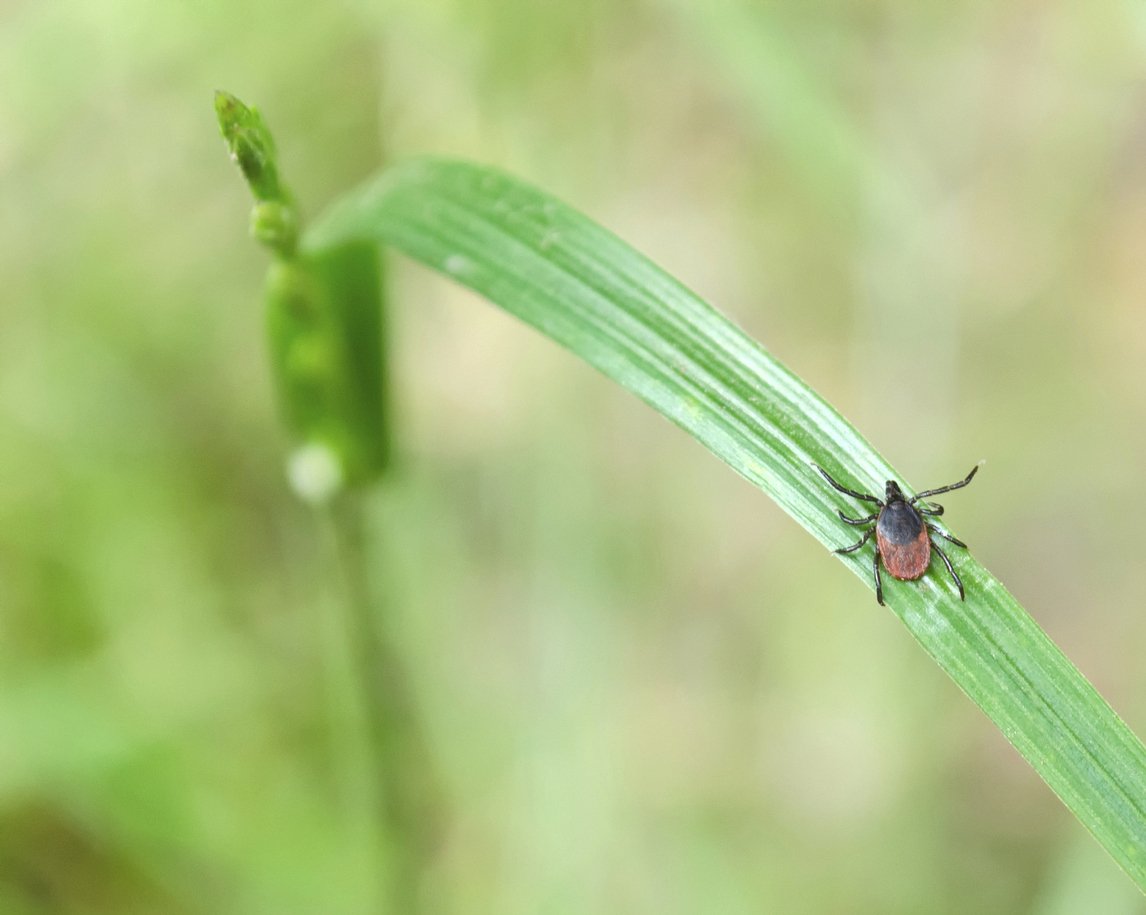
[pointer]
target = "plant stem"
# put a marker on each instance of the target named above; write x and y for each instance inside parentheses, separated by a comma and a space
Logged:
(404, 793)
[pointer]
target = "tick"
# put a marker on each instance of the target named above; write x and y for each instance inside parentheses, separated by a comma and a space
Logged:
(902, 533)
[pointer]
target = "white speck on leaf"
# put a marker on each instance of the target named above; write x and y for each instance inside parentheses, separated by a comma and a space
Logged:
(457, 265)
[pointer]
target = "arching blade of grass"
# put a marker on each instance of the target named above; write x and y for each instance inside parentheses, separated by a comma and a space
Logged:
(579, 284)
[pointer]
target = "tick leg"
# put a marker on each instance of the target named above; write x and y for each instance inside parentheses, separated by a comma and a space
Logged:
(946, 536)
(950, 568)
(851, 492)
(935, 511)
(856, 521)
(878, 582)
(935, 492)
(855, 546)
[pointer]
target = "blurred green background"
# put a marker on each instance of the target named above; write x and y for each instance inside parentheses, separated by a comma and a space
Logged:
(644, 688)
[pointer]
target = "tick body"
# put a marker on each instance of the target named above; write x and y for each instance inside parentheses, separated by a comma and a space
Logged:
(902, 531)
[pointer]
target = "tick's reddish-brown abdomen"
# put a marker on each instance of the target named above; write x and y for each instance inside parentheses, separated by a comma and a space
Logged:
(903, 542)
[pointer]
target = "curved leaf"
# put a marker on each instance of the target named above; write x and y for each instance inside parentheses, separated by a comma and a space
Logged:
(592, 293)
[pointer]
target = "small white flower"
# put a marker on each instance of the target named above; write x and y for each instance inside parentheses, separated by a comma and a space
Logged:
(315, 472)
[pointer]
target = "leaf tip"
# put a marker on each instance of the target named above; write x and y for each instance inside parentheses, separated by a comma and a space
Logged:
(250, 144)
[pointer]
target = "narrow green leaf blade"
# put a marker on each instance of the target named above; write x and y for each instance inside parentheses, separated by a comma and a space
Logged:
(592, 293)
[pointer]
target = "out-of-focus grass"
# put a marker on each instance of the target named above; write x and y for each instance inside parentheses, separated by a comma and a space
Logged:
(612, 638)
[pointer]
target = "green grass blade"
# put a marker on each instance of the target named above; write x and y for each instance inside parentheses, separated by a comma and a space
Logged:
(589, 291)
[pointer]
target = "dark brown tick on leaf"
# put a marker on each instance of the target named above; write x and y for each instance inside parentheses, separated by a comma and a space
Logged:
(902, 533)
